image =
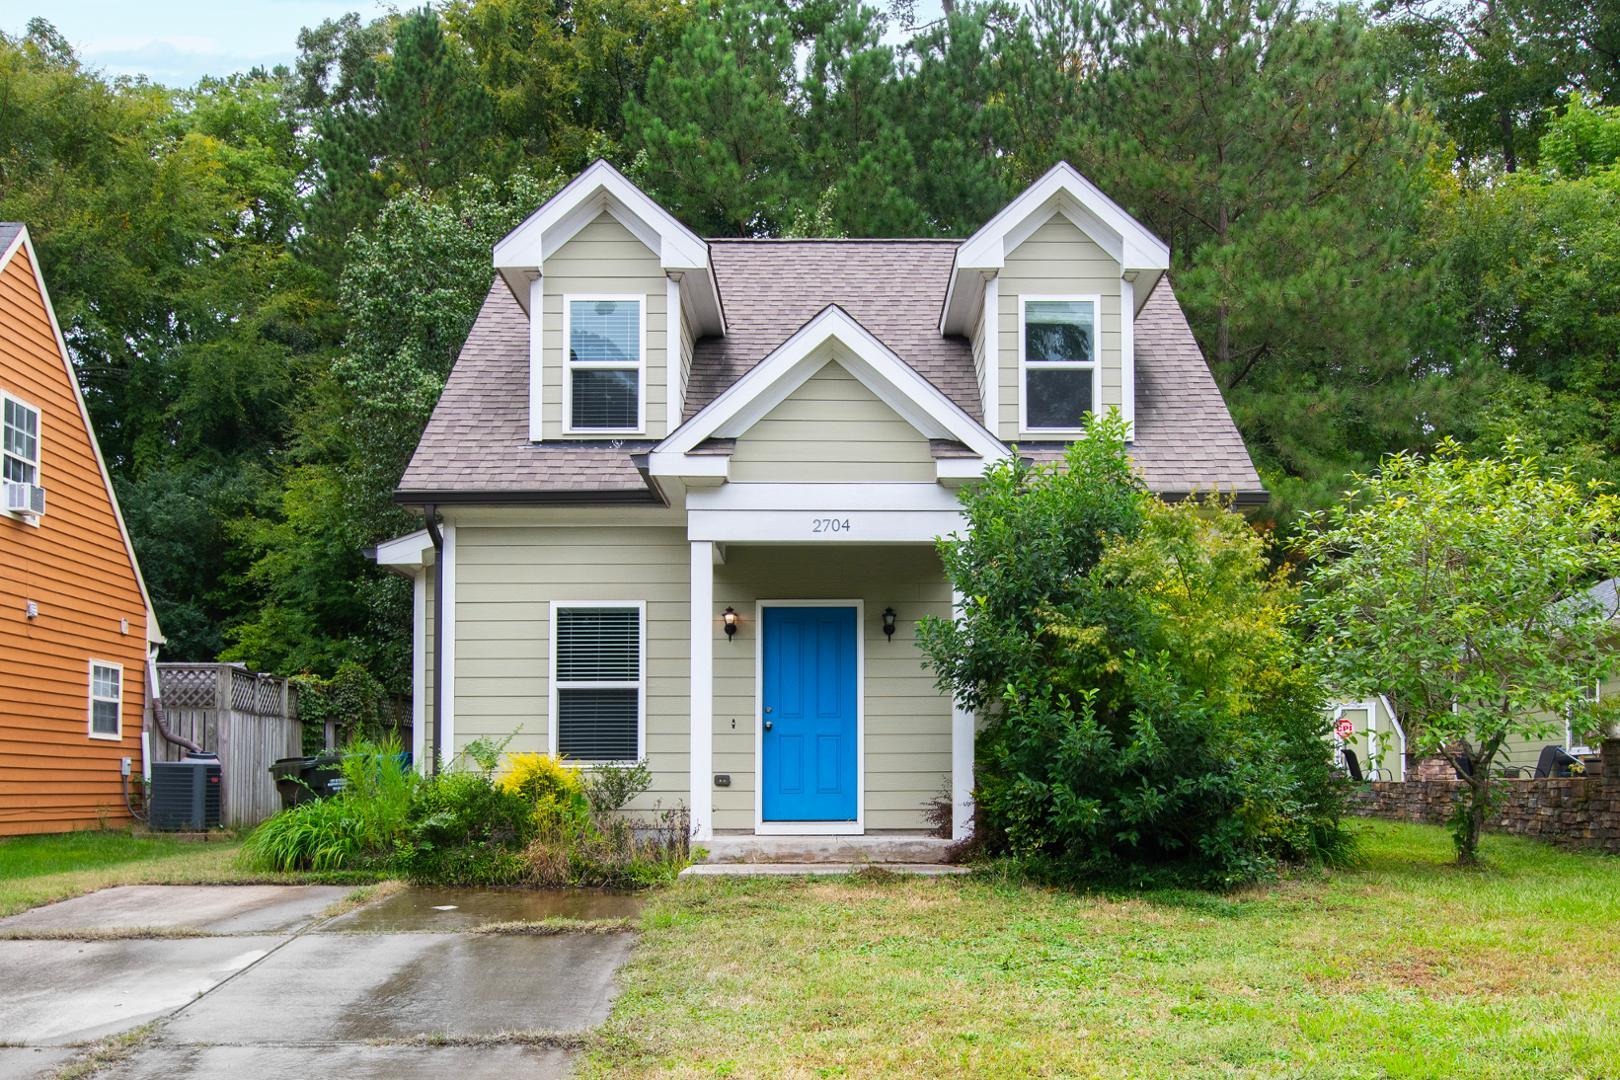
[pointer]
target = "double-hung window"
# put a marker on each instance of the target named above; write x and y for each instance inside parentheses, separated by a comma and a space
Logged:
(598, 680)
(604, 372)
(19, 441)
(106, 700)
(1057, 362)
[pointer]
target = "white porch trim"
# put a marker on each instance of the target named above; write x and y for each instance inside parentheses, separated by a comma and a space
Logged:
(823, 513)
(962, 733)
(419, 669)
(447, 699)
(702, 690)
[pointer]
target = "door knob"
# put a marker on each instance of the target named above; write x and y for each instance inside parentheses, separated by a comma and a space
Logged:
(767, 725)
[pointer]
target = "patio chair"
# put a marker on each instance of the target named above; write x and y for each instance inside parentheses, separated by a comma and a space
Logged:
(1352, 765)
(1554, 762)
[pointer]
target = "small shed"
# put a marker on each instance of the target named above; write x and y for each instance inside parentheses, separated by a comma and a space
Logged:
(248, 719)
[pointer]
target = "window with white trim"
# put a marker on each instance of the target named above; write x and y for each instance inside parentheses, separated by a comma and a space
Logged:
(106, 700)
(1581, 742)
(603, 372)
(1057, 361)
(598, 679)
(19, 441)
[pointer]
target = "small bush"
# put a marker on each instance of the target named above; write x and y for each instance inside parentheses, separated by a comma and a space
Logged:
(464, 830)
(611, 852)
(556, 791)
(612, 787)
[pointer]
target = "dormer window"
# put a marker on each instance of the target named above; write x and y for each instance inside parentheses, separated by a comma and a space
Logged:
(604, 377)
(1057, 362)
(19, 442)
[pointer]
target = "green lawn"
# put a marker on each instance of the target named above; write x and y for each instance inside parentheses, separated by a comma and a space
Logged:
(39, 869)
(1406, 967)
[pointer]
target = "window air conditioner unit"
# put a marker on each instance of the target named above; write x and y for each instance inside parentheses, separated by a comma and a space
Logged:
(25, 498)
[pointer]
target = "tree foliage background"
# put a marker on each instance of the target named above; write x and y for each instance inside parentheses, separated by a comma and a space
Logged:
(1389, 223)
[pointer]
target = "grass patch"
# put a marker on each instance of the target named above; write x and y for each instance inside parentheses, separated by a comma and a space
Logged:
(38, 870)
(365, 894)
(110, 933)
(1402, 967)
(113, 1050)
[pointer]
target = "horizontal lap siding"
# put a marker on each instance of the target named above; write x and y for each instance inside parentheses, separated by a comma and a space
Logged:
(1058, 259)
(908, 723)
(506, 581)
(832, 429)
(74, 565)
(605, 257)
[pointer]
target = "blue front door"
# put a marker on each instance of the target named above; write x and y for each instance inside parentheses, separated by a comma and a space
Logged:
(809, 714)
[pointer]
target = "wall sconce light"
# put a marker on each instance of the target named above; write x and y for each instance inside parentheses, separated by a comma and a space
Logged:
(888, 623)
(729, 618)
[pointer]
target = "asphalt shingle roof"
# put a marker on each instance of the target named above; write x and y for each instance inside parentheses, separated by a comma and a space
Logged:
(8, 233)
(477, 441)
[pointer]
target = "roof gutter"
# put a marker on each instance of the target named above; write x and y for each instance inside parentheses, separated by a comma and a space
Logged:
(431, 513)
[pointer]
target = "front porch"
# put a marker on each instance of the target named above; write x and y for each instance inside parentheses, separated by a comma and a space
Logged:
(824, 737)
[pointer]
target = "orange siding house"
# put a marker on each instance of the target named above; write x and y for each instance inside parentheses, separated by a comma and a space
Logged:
(76, 626)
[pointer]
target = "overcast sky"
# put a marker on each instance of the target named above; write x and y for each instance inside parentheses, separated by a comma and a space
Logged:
(176, 42)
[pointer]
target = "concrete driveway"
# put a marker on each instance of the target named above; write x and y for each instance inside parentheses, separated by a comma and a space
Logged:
(257, 979)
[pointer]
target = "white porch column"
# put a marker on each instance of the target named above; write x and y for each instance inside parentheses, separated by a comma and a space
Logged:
(962, 723)
(702, 690)
(419, 604)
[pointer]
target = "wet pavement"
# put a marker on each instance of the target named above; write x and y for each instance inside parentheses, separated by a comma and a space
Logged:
(400, 987)
(463, 909)
(215, 909)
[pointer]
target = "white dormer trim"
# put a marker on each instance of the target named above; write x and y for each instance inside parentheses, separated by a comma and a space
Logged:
(603, 189)
(746, 401)
(1061, 191)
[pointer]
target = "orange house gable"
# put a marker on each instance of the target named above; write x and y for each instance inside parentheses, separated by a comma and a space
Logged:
(75, 622)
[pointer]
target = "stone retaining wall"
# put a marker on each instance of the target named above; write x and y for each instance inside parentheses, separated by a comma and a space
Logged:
(1580, 811)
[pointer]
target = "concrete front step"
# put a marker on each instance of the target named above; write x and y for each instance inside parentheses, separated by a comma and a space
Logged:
(808, 869)
(841, 850)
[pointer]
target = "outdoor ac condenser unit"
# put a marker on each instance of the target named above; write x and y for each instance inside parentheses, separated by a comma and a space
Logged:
(185, 794)
(24, 498)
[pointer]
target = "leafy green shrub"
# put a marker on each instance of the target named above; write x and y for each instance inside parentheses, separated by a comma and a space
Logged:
(464, 830)
(1150, 717)
(353, 699)
(612, 787)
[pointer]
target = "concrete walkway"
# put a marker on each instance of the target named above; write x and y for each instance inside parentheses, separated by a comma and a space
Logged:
(255, 980)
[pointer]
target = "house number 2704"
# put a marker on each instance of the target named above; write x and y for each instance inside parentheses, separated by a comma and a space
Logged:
(829, 525)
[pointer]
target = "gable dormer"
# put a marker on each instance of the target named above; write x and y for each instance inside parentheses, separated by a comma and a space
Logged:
(1048, 291)
(616, 290)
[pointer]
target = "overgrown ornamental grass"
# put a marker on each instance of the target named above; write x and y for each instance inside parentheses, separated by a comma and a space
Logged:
(1403, 967)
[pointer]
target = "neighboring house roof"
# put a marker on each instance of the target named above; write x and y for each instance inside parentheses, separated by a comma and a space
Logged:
(14, 238)
(476, 446)
(1606, 594)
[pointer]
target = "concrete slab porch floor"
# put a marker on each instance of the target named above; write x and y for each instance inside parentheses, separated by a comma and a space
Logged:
(742, 854)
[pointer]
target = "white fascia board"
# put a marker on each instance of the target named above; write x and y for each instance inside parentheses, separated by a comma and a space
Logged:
(897, 497)
(154, 634)
(706, 466)
(957, 471)
(411, 551)
(1061, 190)
(793, 362)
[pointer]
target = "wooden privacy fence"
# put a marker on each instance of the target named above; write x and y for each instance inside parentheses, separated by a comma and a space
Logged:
(248, 719)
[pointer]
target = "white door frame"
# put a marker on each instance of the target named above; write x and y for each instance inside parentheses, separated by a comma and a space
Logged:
(810, 828)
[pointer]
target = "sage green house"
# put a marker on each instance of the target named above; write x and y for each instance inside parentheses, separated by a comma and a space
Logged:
(681, 496)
